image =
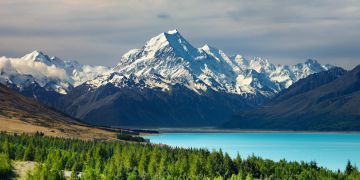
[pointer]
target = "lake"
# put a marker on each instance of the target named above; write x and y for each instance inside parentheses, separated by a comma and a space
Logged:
(331, 150)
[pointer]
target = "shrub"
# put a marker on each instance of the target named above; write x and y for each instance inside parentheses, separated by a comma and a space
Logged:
(127, 137)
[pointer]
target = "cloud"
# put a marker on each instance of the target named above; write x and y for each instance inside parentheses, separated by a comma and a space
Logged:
(89, 72)
(38, 70)
(98, 33)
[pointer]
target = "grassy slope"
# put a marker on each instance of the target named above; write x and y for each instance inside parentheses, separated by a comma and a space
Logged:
(19, 114)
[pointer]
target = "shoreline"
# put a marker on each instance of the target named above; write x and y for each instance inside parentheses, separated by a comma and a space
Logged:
(216, 130)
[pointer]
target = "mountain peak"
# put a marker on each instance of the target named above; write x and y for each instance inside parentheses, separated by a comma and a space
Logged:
(163, 39)
(261, 60)
(207, 47)
(37, 55)
(33, 55)
(312, 62)
(171, 39)
(174, 31)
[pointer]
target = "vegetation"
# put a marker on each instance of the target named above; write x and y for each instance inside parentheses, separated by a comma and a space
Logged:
(122, 160)
(5, 166)
(128, 137)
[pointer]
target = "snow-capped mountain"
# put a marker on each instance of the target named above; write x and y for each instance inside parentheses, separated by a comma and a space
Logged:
(76, 73)
(325, 101)
(167, 82)
(169, 59)
(51, 73)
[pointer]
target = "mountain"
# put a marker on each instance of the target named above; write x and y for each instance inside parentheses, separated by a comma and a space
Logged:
(45, 78)
(75, 73)
(20, 114)
(168, 82)
(328, 100)
(169, 59)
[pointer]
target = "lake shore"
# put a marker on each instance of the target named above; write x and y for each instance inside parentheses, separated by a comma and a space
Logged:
(331, 150)
(217, 130)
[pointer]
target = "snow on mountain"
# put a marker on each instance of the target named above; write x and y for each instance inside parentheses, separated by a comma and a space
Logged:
(164, 61)
(51, 73)
(285, 75)
(77, 73)
(169, 59)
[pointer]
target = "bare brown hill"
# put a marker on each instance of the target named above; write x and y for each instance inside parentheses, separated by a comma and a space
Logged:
(19, 114)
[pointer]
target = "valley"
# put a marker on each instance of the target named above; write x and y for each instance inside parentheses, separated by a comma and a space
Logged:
(179, 90)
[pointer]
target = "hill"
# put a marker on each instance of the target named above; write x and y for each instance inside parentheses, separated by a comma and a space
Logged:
(19, 114)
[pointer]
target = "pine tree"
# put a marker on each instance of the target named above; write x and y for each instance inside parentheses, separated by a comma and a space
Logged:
(238, 162)
(229, 166)
(108, 159)
(133, 175)
(153, 163)
(29, 153)
(349, 168)
(195, 169)
(6, 148)
(5, 165)
(249, 177)
(142, 167)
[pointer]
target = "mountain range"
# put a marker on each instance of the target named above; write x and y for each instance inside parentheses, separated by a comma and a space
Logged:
(167, 83)
(328, 100)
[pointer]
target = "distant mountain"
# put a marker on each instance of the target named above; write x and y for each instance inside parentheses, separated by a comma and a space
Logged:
(45, 78)
(328, 100)
(75, 73)
(20, 114)
(168, 82)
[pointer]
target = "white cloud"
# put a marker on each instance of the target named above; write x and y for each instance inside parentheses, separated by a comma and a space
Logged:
(38, 70)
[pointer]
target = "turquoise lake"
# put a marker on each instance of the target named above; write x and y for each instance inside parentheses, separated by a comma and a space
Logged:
(331, 150)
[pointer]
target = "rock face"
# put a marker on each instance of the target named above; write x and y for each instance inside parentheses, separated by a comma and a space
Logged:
(167, 82)
(327, 100)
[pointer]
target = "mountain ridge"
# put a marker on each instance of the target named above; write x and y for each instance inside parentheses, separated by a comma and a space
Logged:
(327, 100)
(172, 59)
(162, 73)
(169, 83)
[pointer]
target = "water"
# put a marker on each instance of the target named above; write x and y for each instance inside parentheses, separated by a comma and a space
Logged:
(331, 150)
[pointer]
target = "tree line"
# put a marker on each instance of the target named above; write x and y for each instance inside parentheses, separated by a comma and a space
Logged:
(124, 160)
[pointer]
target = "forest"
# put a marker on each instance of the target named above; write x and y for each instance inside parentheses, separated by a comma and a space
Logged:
(138, 160)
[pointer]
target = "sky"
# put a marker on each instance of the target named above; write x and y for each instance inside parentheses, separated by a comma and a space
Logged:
(100, 32)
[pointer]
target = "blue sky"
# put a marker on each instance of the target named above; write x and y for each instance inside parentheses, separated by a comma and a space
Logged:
(99, 32)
